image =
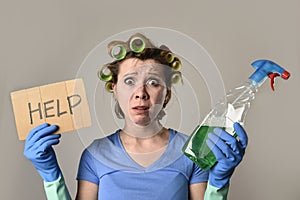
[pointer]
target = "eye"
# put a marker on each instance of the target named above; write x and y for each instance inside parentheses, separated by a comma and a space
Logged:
(129, 81)
(153, 82)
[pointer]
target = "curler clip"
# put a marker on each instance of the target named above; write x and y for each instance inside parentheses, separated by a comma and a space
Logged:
(117, 49)
(118, 52)
(176, 65)
(169, 57)
(109, 86)
(105, 74)
(137, 44)
(176, 78)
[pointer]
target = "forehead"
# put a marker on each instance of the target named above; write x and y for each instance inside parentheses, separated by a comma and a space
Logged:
(142, 66)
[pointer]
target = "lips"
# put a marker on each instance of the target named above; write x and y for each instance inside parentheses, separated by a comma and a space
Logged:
(143, 108)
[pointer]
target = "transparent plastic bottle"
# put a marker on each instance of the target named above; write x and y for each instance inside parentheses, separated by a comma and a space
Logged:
(233, 108)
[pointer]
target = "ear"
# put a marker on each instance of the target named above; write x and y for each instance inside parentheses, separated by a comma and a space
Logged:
(114, 89)
(167, 98)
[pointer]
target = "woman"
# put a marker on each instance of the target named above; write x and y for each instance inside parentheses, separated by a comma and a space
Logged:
(143, 160)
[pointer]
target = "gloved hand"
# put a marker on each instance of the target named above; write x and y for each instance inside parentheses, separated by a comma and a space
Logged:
(228, 151)
(38, 149)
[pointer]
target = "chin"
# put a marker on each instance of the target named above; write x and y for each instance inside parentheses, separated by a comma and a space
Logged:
(143, 121)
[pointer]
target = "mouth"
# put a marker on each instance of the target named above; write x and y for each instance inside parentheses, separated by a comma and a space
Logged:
(141, 108)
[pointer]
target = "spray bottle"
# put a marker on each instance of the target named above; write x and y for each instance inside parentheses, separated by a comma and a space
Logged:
(233, 108)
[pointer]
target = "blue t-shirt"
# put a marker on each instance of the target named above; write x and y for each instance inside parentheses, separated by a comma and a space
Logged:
(106, 163)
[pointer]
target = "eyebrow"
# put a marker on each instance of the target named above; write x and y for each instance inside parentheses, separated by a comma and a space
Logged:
(154, 73)
(135, 73)
(132, 73)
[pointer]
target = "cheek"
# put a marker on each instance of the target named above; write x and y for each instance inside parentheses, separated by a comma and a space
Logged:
(159, 96)
(123, 96)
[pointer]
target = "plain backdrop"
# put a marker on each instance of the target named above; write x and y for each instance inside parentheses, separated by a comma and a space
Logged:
(44, 42)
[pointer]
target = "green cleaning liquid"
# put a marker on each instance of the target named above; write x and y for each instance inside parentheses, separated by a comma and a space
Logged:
(197, 150)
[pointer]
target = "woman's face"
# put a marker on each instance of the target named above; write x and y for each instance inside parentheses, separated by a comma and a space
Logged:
(140, 90)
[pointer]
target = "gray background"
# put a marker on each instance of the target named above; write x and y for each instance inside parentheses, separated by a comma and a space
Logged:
(43, 42)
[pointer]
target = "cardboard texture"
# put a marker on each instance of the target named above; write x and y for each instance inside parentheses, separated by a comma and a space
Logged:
(64, 104)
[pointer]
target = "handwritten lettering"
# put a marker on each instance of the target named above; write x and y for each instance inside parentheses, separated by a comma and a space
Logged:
(73, 101)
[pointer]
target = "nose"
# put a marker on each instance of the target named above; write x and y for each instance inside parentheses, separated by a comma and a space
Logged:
(141, 93)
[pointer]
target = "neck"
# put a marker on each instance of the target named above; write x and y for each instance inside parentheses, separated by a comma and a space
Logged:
(143, 131)
(150, 145)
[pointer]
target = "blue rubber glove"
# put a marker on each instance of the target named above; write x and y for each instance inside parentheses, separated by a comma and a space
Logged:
(38, 149)
(229, 152)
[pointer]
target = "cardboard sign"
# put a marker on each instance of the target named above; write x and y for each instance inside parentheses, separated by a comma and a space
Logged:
(63, 104)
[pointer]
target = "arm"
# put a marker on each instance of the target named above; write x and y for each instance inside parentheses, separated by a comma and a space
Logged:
(86, 190)
(38, 149)
(229, 152)
(57, 190)
(88, 181)
(213, 193)
(203, 191)
(197, 190)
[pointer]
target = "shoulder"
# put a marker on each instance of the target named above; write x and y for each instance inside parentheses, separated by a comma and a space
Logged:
(102, 148)
(105, 142)
(177, 136)
(97, 157)
(180, 135)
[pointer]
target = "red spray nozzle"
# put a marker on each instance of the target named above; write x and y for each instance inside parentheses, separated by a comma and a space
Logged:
(268, 68)
(285, 75)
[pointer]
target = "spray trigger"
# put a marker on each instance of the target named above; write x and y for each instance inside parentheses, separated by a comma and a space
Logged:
(272, 77)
